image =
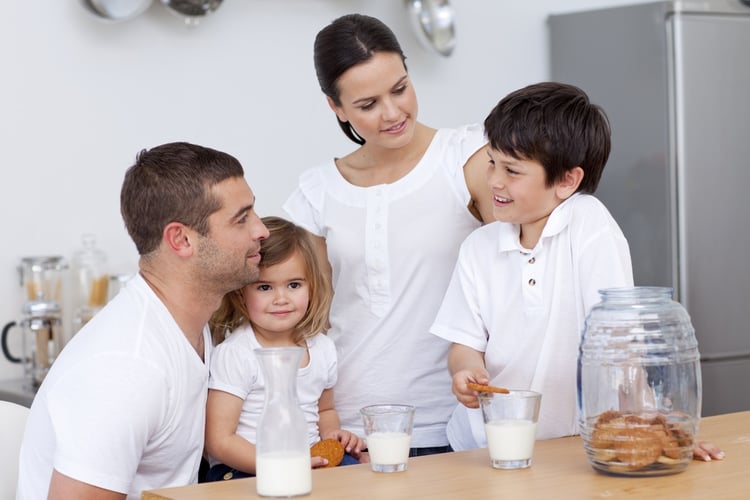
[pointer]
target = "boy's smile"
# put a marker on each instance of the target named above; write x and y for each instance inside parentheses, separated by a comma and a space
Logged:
(521, 195)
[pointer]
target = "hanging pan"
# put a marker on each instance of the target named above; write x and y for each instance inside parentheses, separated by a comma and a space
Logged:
(116, 10)
(433, 22)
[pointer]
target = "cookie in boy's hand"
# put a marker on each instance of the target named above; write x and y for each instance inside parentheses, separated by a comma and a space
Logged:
(486, 388)
(330, 449)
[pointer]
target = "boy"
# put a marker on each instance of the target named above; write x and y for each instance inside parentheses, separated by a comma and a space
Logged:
(522, 286)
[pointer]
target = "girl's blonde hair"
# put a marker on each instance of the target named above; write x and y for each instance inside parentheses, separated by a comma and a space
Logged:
(284, 240)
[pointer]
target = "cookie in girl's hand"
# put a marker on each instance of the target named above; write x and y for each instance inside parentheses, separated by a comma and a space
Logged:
(330, 449)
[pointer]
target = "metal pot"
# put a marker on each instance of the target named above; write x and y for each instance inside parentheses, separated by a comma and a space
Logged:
(116, 10)
(433, 22)
(192, 10)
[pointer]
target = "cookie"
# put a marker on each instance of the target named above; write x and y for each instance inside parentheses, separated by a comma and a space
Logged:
(605, 435)
(486, 388)
(330, 449)
(624, 442)
(638, 448)
(607, 416)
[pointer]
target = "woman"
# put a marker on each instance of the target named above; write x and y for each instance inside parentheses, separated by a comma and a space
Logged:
(389, 217)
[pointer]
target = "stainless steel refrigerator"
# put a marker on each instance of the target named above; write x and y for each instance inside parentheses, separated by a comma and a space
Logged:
(674, 78)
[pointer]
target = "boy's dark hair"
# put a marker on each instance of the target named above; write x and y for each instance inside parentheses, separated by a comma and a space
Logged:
(555, 124)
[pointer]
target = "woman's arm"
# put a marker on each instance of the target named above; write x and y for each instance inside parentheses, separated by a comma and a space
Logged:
(222, 441)
(475, 173)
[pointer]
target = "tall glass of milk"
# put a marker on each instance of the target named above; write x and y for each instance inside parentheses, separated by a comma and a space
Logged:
(510, 423)
(388, 431)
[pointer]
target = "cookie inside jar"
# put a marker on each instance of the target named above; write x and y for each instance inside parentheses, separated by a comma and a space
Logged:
(649, 443)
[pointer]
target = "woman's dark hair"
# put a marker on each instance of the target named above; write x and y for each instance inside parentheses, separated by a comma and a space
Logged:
(349, 40)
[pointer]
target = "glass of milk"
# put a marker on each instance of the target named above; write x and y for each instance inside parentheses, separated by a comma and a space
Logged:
(388, 433)
(510, 423)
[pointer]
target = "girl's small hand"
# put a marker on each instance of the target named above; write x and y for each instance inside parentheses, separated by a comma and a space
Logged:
(352, 443)
(707, 452)
(318, 462)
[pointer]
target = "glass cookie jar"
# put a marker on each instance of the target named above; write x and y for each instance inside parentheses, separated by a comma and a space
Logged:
(639, 383)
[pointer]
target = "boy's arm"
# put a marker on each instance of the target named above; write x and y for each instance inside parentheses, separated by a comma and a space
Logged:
(466, 365)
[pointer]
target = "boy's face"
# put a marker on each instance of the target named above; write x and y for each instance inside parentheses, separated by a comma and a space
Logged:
(520, 194)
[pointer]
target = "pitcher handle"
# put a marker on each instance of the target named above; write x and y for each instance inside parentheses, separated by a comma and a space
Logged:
(4, 341)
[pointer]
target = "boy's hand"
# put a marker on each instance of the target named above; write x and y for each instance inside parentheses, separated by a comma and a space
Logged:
(464, 395)
(707, 452)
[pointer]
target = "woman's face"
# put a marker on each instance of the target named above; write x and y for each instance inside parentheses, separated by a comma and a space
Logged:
(378, 100)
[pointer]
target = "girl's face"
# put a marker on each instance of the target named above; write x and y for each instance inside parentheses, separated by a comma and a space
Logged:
(278, 301)
(520, 194)
(377, 98)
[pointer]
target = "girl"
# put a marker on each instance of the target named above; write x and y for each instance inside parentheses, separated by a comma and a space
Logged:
(287, 306)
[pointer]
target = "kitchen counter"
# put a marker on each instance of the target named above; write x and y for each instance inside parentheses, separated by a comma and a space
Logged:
(560, 470)
(17, 391)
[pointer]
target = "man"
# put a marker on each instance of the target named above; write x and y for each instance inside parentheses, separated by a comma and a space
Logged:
(123, 407)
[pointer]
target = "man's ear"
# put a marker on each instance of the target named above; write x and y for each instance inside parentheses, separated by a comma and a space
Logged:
(178, 238)
(336, 109)
(568, 185)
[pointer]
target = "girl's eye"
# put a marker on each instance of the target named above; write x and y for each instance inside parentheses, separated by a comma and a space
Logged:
(264, 288)
(295, 284)
(510, 171)
(400, 90)
(368, 106)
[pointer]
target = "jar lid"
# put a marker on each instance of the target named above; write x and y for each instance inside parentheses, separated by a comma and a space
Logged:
(41, 308)
(43, 263)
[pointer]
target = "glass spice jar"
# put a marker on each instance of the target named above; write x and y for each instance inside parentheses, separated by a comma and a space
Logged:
(639, 383)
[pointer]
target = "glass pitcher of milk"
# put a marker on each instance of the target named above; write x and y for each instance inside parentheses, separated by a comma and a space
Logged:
(282, 452)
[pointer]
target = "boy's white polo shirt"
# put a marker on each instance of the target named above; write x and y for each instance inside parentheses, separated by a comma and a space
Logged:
(525, 309)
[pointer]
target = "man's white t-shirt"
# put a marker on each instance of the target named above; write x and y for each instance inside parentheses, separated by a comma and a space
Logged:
(123, 407)
(525, 308)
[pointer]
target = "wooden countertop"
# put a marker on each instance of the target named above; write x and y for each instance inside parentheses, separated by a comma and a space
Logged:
(559, 470)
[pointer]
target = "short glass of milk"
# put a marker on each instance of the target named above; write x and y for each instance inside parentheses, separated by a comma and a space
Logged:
(510, 423)
(388, 434)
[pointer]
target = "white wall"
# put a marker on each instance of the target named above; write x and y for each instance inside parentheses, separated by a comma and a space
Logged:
(80, 97)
